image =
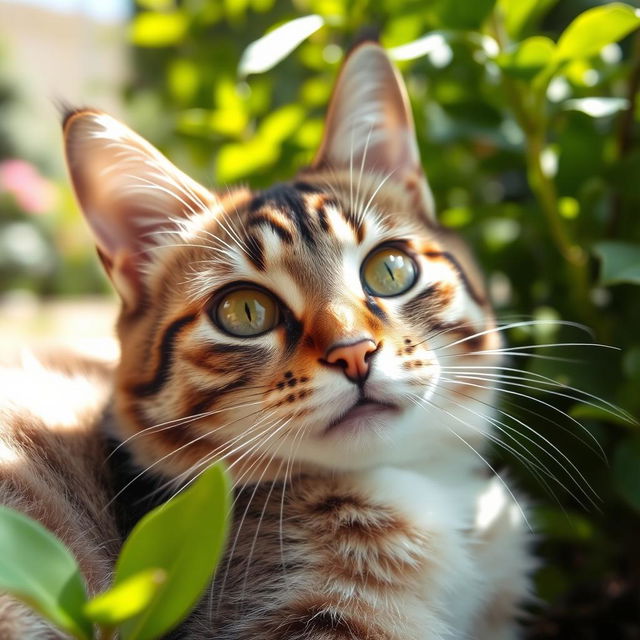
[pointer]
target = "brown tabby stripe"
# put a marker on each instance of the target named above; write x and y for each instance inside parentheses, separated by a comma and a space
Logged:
(166, 357)
(322, 217)
(290, 202)
(208, 398)
(263, 218)
(461, 330)
(255, 251)
(320, 618)
(373, 306)
(450, 258)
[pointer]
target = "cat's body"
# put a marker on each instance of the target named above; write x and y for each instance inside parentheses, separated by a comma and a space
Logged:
(308, 334)
(376, 555)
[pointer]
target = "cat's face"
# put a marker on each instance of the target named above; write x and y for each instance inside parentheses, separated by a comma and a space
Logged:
(315, 322)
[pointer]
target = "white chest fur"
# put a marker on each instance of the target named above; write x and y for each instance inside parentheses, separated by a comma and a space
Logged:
(475, 540)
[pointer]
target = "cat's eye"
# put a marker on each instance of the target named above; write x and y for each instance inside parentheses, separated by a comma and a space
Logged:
(389, 271)
(246, 312)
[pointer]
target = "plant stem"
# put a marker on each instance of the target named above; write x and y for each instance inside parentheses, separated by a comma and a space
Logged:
(527, 103)
(108, 633)
(625, 131)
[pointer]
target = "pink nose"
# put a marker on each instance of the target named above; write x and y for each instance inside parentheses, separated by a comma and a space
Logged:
(353, 358)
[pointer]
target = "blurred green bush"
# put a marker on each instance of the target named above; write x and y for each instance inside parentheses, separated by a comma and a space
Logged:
(530, 141)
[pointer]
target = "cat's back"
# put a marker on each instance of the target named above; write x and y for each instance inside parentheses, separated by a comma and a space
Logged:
(52, 461)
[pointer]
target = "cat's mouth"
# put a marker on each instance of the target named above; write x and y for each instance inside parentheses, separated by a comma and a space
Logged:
(360, 415)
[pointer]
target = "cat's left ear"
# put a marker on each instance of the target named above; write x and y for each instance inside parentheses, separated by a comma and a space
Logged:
(369, 125)
(129, 192)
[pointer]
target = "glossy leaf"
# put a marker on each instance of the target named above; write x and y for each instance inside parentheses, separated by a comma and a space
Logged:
(184, 538)
(158, 29)
(518, 14)
(38, 569)
(282, 123)
(264, 53)
(420, 47)
(591, 412)
(597, 107)
(127, 599)
(528, 57)
(620, 262)
(238, 160)
(596, 28)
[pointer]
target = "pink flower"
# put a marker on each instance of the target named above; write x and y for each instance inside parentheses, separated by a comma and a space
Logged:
(32, 192)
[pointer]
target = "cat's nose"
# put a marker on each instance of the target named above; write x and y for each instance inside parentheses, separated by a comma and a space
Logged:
(353, 358)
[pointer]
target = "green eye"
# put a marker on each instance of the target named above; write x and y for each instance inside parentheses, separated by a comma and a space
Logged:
(389, 272)
(247, 312)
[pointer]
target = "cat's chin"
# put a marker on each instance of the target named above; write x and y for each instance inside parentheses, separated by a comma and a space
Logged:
(364, 415)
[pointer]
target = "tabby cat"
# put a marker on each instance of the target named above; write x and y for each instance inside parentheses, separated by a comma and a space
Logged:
(306, 334)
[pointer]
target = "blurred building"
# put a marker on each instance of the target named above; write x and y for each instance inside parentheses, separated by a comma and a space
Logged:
(50, 55)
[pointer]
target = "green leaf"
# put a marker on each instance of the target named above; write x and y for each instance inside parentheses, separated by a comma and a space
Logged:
(420, 47)
(185, 538)
(528, 57)
(597, 107)
(150, 29)
(620, 262)
(265, 53)
(126, 600)
(281, 123)
(626, 470)
(242, 159)
(590, 412)
(596, 28)
(38, 569)
(560, 524)
(519, 13)
(463, 15)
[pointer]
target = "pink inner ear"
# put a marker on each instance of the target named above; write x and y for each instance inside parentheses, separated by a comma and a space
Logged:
(128, 192)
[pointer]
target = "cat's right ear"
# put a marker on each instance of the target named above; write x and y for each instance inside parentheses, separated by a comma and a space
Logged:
(128, 192)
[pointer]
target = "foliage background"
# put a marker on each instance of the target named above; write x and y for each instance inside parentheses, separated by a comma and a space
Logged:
(545, 186)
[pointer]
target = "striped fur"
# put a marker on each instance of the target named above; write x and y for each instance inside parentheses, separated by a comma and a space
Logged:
(386, 528)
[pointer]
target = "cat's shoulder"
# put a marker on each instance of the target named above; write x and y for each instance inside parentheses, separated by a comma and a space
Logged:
(51, 403)
(52, 384)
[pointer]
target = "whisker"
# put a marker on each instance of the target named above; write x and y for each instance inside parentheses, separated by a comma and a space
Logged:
(480, 456)
(171, 453)
(533, 398)
(178, 422)
(534, 467)
(603, 405)
(256, 486)
(513, 325)
(539, 446)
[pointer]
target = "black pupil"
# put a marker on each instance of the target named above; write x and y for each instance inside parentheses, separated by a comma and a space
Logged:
(389, 270)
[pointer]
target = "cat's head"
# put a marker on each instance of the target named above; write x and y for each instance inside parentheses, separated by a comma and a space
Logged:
(317, 322)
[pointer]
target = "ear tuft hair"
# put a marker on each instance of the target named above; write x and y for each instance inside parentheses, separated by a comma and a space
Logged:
(368, 33)
(68, 111)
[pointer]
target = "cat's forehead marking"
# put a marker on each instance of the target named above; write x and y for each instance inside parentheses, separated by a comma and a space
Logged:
(301, 213)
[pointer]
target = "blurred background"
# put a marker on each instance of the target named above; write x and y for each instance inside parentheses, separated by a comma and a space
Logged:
(528, 122)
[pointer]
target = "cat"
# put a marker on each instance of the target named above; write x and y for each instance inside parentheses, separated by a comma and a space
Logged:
(305, 334)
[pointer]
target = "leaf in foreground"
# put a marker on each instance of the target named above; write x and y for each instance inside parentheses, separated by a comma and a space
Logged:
(185, 538)
(38, 569)
(127, 599)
